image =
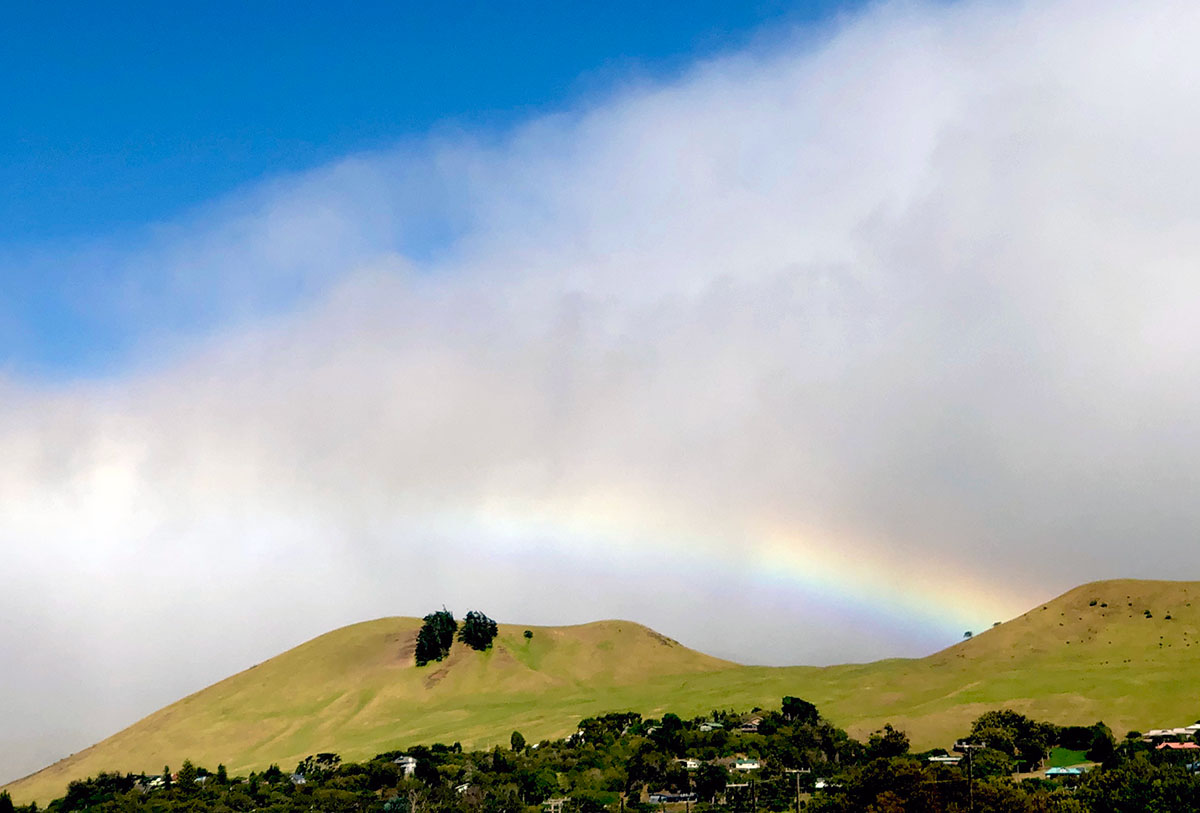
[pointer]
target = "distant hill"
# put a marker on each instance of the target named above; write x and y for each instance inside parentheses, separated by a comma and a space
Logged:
(1090, 654)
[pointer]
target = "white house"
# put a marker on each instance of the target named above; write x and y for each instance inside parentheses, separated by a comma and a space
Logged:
(945, 759)
(408, 765)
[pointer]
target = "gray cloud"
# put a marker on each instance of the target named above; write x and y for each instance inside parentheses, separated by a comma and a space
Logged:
(922, 291)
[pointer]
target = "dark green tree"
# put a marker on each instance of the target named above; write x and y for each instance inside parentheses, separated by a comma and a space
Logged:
(797, 711)
(886, 743)
(1103, 745)
(517, 741)
(318, 766)
(478, 631)
(1026, 741)
(6, 803)
(710, 780)
(435, 637)
(528, 634)
(187, 777)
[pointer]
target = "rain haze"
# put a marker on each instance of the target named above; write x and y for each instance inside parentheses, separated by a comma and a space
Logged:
(823, 342)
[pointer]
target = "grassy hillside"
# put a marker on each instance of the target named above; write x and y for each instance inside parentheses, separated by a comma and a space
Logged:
(1090, 654)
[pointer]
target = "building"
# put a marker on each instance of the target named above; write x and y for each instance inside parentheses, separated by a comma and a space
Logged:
(1073, 771)
(408, 765)
(745, 764)
(662, 797)
(945, 759)
(751, 725)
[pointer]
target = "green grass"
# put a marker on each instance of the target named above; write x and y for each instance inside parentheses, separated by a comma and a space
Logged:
(356, 692)
(1065, 758)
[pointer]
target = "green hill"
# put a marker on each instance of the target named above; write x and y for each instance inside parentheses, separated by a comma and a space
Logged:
(1090, 654)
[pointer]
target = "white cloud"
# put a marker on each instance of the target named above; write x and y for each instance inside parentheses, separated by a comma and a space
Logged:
(921, 291)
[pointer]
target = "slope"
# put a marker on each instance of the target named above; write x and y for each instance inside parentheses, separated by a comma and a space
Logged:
(1090, 654)
(356, 691)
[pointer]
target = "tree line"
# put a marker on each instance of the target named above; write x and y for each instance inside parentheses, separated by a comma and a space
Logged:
(624, 761)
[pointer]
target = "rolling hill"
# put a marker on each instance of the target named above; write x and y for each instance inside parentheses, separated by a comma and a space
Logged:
(1112, 650)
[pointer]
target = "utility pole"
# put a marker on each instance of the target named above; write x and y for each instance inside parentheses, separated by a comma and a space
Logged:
(797, 772)
(969, 748)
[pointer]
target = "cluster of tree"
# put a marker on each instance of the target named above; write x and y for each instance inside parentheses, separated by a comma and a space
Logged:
(438, 631)
(436, 636)
(478, 631)
(624, 761)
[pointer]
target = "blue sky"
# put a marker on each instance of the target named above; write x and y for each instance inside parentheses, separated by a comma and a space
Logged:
(120, 117)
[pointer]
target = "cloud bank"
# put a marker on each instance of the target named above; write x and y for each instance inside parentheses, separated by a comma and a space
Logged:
(899, 314)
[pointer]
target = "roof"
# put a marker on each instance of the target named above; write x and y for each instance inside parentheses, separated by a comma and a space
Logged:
(1075, 771)
(1178, 746)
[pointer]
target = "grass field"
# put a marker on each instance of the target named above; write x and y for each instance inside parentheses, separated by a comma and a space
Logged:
(1065, 758)
(1110, 650)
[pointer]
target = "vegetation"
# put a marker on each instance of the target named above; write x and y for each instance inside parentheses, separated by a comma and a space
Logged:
(478, 631)
(622, 761)
(356, 691)
(435, 637)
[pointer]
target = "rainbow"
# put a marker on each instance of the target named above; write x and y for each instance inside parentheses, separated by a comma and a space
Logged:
(928, 600)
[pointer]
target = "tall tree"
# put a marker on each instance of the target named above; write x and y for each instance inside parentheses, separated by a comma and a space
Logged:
(187, 776)
(799, 711)
(435, 637)
(478, 631)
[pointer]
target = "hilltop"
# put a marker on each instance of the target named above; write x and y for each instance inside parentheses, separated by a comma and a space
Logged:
(1110, 650)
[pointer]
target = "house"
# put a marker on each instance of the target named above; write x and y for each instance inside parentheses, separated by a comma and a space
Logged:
(554, 805)
(945, 759)
(463, 788)
(745, 764)
(710, 726)
(298, 779)
(689, 764)
(1178, 746)
(662, 797)
(1073, 771)
(407, 765)
(751, 725)
(1157, 735)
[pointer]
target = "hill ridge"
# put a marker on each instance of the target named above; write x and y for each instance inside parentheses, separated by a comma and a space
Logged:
(1091, 653)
